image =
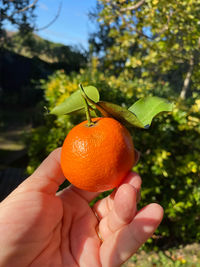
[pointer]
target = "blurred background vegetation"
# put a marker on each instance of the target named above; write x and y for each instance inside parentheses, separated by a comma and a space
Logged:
(139, 48)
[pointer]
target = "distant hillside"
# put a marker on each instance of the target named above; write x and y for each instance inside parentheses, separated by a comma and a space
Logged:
(33, 45)
(28, 59)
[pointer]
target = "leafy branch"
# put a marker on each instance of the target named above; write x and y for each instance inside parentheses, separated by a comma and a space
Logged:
(140, 114)
(134, 7)
(25, 8)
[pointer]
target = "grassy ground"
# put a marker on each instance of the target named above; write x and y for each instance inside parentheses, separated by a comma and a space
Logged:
(14, 124)
(12, 139)
(188, 256)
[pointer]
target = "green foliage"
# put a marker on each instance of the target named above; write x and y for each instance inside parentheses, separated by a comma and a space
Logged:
(158, 40)
(169, 163)
(169, 166)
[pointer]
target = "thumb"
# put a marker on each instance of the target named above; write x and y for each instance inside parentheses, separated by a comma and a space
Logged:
(47, 177)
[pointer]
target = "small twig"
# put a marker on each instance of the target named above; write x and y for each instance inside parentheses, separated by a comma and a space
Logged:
(97, 105)
(53, 20)
(166, 26)
(87, 110)
(25, 8)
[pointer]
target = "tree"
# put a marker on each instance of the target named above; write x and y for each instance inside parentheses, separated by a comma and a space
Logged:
(157, 39)
(18, 13)
(21, 14)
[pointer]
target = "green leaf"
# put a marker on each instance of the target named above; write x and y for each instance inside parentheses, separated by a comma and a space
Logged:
(147, 108)
(75, 101)
(119, 113)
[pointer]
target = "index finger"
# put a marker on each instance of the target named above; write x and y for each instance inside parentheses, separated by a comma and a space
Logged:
(105, 205)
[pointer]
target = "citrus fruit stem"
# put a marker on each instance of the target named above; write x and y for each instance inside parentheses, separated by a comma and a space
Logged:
(87, 110)
(102, 111)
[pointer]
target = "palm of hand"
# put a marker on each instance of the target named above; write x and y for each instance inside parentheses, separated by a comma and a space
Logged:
(44, 229)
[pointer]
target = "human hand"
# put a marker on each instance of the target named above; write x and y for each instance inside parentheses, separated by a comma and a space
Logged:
(41, 228)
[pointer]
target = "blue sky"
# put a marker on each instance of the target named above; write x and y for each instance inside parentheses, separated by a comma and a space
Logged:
(73, 25)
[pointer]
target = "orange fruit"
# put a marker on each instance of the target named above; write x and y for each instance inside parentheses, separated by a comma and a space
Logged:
(97, 158)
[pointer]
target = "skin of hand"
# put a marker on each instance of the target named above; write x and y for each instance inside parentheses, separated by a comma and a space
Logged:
(39, 227)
